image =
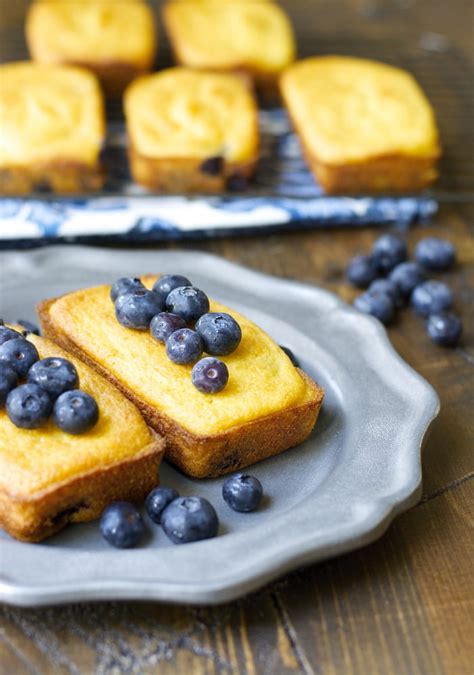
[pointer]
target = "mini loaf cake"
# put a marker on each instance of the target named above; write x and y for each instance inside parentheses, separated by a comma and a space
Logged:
(365, 126)
(191, 130)
(116, 40)
(52, 128)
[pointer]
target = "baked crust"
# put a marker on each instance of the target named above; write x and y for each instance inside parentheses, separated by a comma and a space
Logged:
(59, 176)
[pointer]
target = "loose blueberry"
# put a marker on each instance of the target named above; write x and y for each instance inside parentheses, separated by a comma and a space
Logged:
(125, 285)
(55, 375)
(390, 288)
(220, 333)
(7, 334)
(184, 346)
(8, 381)
(121, 525)
(379, 305)
(19, 354)
(388, 251)
(189, 519)
(361, 271)
(136, 309)
(75, 412)
(28, 326)
(169, 282)
(407, 276)
(158, 500)
(445, 329)
(210, 375)
(242, 492)
(435, 254)
(188, 302)
(431, 297)
(164, 323)
(291, 356)
(28, 406)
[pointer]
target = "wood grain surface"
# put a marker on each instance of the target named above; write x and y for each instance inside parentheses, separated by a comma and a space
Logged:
(401, 606)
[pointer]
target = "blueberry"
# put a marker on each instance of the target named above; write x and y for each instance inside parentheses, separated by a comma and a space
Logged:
(431, 297)
(28, 406)
(220, 333)
(169, 282)
(390, 288)
(212, 166)
(121, 525)
(158, 500)
(165, 323)
(435, 254)
(75, 412)
(55, 375)
(189, 519)
(291, 356)
(19, 354)
(210, 375)
(28, 326)
(242, 492)
(379, 305)
(188, 302)
(137, 308)
(125, 285)
(445, 329)
(361, 271)
(8, 381)
(184, 346)
(388, 251)
(407, 276)
(7, 333)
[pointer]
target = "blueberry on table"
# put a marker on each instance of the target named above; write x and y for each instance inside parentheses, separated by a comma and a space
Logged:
(220, 333)
(8, 381)
(121, 525)
(169, 282)
(165, 323)
(19, 354)
(28, 406)
(189, 519)
(388, 251)
(242, 492)
(136, 309)
(75, 412)
(55, 375)
(435, 254)
(125, 285)
(445, 329)
(210, 375)
(431, 297)
(184, 346)
(407, 276)
(379, 305)
(7, 334)
(158, 500)
(291, 356)
(28, 326)
(188, 302)
(390, 288)
(361, 271)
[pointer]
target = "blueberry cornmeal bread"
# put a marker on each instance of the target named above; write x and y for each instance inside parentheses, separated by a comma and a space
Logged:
(115, 40)
(365, 126)
(191, 131)
(217, 415)
(52, 129)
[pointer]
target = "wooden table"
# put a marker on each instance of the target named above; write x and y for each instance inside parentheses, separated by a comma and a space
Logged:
(403, 605)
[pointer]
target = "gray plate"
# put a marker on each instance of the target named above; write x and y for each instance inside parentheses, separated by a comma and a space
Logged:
(336, 492)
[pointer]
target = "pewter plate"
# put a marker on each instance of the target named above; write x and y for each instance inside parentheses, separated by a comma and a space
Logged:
(336, 492)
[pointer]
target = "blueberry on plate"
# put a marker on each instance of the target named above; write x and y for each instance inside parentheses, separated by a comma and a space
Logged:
(169, 282)
(379, 305)
(165, 323)
(158, 500)
(125, 285)
(136, 309)
(390, 288)
(75, 412)
(7, 334)
(55, 375)
(184, 346)
(242, 492)
(28, 406)
(189, 519)
(28, 326)
(188, 302)
(445, 329)
(435, 254)
(291, 356)
(210, 375)
(407, 276)
(361, 271)
(388, 251)
(19, 354)
(121, 525)
(431, 297)
(8, 381)
(220, 333)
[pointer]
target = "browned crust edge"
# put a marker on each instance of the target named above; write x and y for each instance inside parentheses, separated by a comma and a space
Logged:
(59, 175)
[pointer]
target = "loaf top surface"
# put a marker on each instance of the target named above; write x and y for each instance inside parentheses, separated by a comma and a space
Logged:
(350, 109)
(49, 113)
(262, 380)
(33, 460)
(181, 112)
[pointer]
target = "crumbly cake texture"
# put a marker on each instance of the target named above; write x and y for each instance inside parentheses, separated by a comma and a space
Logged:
(191, 130)
(115, 40)
(49, 478)
(52, 128)
(268, 406)
(365, 126)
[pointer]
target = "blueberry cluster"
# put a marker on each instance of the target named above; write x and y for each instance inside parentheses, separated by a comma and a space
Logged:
(392, 281)
(177, 314)
(50, 388)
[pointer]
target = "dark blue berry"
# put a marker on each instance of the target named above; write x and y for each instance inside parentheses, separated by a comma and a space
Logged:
(445, 329)
(7, 334)
(242, 492)
(407, 276)
(291, 356)
(388, 251)
(188, 302)
(431, 297)
(210, 375)
(212, 166)
(189, 519)
(158, 500)
(361, 271)
(8, 381)
(125, 285)
(121, 525)
(28, 326)
(220, 333)
(379, 305)
(184, 346)
(137, 308)
(165, 323)
(169, 282)
(28, 406)
(435, 254)
(390, 288)
(55, 375)
(75, 412)
(19, 354)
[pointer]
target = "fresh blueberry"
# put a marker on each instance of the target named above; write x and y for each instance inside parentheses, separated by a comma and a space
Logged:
(121, 525)
(125, 285)
(445, 329)
(137, 308)
(165, 323)
(188, 302)
(435, 254)
(19, 354)
(291, 356)
(189, 519)
(28, 326)
(390, 288)
(361, 271)
(158, 500)
(7, 334)
(431, 297)
(220, 333)
(184, 346)
(379, 305)
(55, 375)
(75, 412)
(388, 251)
(28, 406)
(407, 276)
(242, 492)
(169, 282)
(8, 381)
(210, 375)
